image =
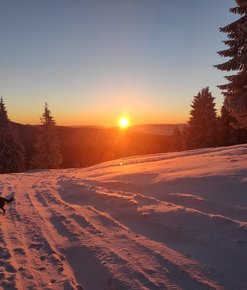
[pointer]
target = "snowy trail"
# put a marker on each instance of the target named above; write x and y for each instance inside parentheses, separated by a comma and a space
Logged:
(117, 244)
(31, 243)
(63, 243)
(98, 228)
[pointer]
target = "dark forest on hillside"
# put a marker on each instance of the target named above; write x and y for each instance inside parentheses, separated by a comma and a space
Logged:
(86, 146)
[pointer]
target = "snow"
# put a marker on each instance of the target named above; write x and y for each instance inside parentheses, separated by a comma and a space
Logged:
(162, 221)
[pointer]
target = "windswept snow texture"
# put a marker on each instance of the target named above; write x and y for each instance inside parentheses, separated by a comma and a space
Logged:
(163, 221)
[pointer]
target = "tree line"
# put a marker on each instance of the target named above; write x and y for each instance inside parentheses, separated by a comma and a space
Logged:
(12, 152)
(48, 146)
(204, 128)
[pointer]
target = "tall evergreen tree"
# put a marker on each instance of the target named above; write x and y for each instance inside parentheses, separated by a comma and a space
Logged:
(202, 126)
(12, 157)
(47, 146)
(235, 91)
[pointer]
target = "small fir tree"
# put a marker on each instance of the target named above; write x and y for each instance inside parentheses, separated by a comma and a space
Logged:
(12, 157)
(202, 126)
(235, 91)
(47, 147)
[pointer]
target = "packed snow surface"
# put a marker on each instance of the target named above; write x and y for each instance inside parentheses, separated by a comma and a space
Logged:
(163, 221)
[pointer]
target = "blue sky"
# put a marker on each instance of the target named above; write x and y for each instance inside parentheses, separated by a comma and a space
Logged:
(93, 61)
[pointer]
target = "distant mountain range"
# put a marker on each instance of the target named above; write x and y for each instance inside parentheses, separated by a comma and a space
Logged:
(157, 129)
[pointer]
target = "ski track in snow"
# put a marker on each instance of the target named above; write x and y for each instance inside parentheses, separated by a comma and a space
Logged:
(141, 225)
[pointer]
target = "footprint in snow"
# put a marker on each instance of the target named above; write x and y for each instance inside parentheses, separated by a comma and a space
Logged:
(19, 251)
(36, 246)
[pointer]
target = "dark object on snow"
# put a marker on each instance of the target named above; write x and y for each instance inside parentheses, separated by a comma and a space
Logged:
(3, 201)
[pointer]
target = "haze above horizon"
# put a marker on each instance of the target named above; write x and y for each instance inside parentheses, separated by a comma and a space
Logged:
(95, 61)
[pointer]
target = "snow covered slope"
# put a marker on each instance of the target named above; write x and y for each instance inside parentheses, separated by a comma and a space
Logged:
(163, 221)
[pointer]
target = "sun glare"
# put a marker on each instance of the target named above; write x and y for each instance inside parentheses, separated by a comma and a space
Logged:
(123, 123)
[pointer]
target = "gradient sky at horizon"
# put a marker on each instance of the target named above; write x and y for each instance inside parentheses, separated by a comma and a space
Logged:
(96, 60)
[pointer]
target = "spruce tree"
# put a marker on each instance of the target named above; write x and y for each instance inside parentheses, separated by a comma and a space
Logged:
(235, 91)
(202, 126)
(47, 146)
(12, 157)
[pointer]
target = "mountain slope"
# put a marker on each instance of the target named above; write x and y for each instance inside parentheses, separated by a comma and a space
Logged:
(162, 221)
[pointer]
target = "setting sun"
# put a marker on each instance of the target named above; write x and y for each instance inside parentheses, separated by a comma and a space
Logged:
(123, 122)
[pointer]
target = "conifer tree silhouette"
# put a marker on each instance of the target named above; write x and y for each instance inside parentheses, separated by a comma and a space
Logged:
(235, 91)
(12, 156)
(202, 126)
(47, 148)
